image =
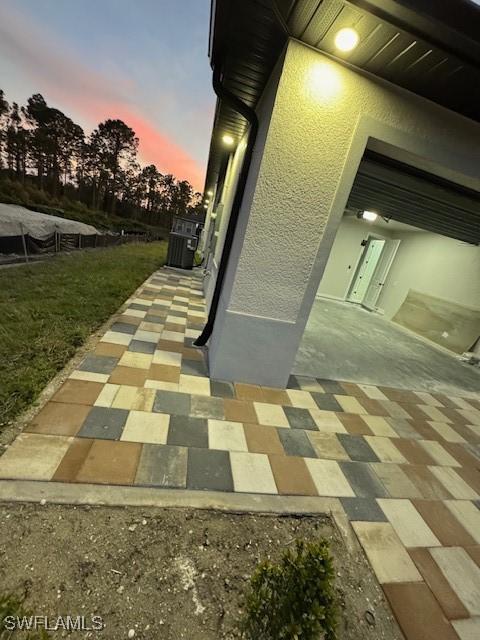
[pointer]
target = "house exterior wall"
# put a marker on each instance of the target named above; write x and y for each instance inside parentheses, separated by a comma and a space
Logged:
(317, 123)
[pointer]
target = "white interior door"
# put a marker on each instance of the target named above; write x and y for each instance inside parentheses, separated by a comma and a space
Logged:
(366, 270)
(380, 274)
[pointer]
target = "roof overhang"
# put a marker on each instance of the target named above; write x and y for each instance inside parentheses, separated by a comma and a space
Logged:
(429, 47)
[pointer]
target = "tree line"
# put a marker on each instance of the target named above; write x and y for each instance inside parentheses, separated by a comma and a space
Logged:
(42, 146)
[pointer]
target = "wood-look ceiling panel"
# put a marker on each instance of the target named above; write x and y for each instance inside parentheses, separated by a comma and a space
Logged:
(322, 20)
(301, 15)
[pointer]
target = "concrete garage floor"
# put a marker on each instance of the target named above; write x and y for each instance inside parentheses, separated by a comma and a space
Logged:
(345, 342)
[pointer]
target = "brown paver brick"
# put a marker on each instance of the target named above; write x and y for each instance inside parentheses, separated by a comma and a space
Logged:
(373, 407)
(170, 326)
(416, 414)
(164, 372)
(73, 460)
(441, 589)
(474, 553)
(110, 462)
(292, 476)
(455, 416)
(59, 419)
(109, 349)
(413, 452)
(443, 524)
(276, 396)
(170, 345)
(402, 396)
(190, 353)
(428, 485)
(354, 424)
(132, 376)
(124, 317)
(352, 389)
(78, 392)
(240, 411)
(425, 430)
(262, 439)
(250, 392)
(418, 612)
(471, 477)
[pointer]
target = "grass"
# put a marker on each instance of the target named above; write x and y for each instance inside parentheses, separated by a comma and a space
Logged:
(49, 309)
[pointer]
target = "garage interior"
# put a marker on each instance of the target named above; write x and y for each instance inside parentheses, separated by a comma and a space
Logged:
(399, 300)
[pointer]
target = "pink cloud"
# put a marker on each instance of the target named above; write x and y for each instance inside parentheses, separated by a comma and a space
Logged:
(64, 80)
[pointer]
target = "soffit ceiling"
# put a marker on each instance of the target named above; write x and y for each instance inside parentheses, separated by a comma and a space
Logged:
(433, 51)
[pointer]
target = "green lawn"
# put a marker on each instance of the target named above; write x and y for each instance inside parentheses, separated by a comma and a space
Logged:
(49, 309)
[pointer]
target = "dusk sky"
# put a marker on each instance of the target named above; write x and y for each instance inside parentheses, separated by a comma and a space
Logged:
(144, 61)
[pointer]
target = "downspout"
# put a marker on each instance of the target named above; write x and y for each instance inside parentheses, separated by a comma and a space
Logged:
(249, 114)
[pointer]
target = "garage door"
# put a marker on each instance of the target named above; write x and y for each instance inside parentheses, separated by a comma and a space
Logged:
(416, 198)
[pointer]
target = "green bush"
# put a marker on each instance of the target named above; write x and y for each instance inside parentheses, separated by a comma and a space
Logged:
(294, 599)
(12, 606)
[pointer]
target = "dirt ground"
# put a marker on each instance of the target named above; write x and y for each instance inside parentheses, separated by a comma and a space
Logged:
(166, 574)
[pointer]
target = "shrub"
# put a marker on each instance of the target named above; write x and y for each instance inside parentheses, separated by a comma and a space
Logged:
(12, 606)
(293, 599)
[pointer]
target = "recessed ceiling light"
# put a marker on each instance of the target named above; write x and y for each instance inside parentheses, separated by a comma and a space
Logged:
(370, 215)
(346, 39)
(228, 140)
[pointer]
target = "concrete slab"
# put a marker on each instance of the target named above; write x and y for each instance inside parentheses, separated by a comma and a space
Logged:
(379, 353)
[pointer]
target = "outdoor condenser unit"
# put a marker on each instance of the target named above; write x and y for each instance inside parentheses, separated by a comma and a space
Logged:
(183, 242)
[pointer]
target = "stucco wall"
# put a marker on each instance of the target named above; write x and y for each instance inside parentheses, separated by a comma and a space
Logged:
(317, 111)
(323, 116)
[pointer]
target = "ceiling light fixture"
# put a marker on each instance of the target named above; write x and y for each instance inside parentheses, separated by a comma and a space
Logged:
(371, 216)
(346, 39)
(228, 140)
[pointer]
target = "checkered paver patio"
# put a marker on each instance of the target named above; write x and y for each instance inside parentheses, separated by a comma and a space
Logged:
(405, 465)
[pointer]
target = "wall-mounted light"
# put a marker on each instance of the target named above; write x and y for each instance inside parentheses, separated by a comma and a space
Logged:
(371, 216)
(227, 140)
(205, 206)
(323, 81)
(210, 193)
(346, 39)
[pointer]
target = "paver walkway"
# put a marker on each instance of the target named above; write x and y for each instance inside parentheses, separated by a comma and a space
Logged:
(141, 410)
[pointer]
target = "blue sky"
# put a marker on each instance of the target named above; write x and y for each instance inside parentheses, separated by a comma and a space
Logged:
(145, 61)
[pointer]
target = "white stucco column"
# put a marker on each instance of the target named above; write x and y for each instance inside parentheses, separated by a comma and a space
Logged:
(316, 119)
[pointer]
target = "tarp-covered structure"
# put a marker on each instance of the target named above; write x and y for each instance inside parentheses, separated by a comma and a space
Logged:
(23, 231)
(17, 221)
